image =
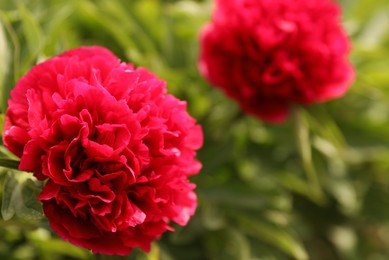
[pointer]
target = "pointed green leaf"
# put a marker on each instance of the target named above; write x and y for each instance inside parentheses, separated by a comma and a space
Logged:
(31, 30)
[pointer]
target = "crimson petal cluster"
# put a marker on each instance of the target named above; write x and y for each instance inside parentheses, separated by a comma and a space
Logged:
(115, 148)
(270, 54)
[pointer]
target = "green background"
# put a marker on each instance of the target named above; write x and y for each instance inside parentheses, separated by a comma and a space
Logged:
(315, 187)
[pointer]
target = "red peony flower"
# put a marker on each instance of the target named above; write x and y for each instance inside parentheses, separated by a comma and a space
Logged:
(115, 149)
(270, 54)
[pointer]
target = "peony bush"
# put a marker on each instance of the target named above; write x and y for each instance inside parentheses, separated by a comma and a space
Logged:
(255, 197)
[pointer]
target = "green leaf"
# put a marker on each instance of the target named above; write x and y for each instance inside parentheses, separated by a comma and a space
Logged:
(2, 117)
(239, 198)
(58, 33)
(4, 63)
(146, 40)
(33, 35)
(295, 183)
(154, 253)
(31, 208)
(52, 246)
(90, 13)
(242, 245)
(31, 30)
(20, 197)
(273, 235)
(9, 189)
(227, 244)
(304, 148)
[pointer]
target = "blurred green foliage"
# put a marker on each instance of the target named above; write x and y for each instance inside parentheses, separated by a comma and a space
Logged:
(264, 192)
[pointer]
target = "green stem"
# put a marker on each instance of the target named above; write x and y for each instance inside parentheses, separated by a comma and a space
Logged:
(304, 148)
(154, 253)
(9, 163)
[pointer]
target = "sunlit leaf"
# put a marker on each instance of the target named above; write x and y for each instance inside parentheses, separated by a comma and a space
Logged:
(4, 63)
(20, 197)
(52, 246)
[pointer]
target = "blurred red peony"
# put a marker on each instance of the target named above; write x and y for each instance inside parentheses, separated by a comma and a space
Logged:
(116, 150)
(270, 54)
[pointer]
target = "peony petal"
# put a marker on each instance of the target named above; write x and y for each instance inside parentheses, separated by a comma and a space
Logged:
(15, 138)
(32, 156)
(50, 191)
(70, 126)
(115, 136)
(56, 164)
